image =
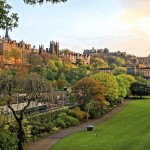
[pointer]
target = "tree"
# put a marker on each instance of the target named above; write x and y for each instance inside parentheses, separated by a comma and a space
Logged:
(33, 2)
(15, 55)
(142, 80)
(111, 86)
(140, 89)
(119, 70)
(51, 64)
(88, 89)
(7, 20)
(122, 87)
(97, 63)
(31, 88)
(128, 80)
(119, 61)
(75, 74)
(116, 60)
(35, 60)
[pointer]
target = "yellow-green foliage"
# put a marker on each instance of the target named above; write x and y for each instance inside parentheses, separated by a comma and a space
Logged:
(109, 82)
(81, 115)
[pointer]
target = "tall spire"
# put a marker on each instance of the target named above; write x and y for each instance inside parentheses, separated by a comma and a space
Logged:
(6, 34)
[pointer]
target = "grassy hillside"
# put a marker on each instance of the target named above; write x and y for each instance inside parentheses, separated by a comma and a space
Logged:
(129, 130)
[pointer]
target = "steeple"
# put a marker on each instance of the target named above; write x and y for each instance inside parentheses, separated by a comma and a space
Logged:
(6, 34)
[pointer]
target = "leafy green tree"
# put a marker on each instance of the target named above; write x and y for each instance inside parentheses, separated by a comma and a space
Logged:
(75, 74)
(97, 63)
(116, 60)
(119, 61)
(58, 64)
(111, 86)
(88, 89)
(142, 80)
(49, 74)
(35, 60)
(7, 19)
(119, 70)
(61, 83)
(52, 66)
(140, 89)
(62, 76)
(122, 87)
(33, 2)
(113, 65)
(128, 80)
(32, 87)
(66, 51)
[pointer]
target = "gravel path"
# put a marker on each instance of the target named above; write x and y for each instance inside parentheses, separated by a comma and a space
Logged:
(47, 142)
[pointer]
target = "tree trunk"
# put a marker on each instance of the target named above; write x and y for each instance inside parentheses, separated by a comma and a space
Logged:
(21, 135)
(140, 96)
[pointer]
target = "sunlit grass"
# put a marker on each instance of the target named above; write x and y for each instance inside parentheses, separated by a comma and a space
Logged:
(128, 130)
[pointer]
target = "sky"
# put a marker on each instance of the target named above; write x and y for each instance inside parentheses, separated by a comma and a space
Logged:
(82, 24)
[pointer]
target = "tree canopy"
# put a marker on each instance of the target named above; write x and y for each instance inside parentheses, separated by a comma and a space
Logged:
(119, 70)
(31, 87)
(7, 19)
(110, 84)
(88, 89)
(140, 89)
(10, 20)
(33, 2)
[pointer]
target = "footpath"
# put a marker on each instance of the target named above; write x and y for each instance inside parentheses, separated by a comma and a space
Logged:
(47, 142)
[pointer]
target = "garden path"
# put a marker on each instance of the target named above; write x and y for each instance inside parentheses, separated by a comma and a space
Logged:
(47, 142)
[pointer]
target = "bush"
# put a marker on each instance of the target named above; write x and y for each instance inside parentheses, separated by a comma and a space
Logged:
(95, 109)
(76, 112)
(8, 140)
(60, 123)
(69, 120)
(49, 126)
(47, 117)
(37, 129)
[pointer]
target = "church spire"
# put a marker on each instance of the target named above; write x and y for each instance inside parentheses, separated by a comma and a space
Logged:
(6, 34)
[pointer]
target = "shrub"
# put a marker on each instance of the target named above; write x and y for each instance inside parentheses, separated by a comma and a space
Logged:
(60, 123)
(8, 140)
(49, 126)
(37, 129)
(69, 120)
(76, 112)
(47, 116)
(95, 109)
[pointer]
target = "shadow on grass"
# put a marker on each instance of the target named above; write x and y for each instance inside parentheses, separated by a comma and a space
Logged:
(138, 98)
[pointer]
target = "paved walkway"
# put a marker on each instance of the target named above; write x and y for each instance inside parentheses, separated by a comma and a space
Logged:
(47, 142)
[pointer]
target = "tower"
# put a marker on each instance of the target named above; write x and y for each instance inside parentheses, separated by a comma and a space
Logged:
(54, 48)
(41, 49)
(6, 34)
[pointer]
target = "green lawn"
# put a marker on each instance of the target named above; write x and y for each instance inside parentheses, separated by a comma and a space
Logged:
(128, 130)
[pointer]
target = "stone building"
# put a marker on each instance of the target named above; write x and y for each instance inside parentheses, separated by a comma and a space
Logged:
(25, 51)
(106, 70)
(53, 49)
(74, 57)
(144, 72)
(7, 45)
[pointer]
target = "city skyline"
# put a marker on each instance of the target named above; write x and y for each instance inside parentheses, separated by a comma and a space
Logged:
(78, 25)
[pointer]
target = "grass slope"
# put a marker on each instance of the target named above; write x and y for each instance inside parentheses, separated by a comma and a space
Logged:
(128, 130)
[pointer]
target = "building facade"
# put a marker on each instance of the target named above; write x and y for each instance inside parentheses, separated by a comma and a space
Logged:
(23, 51)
